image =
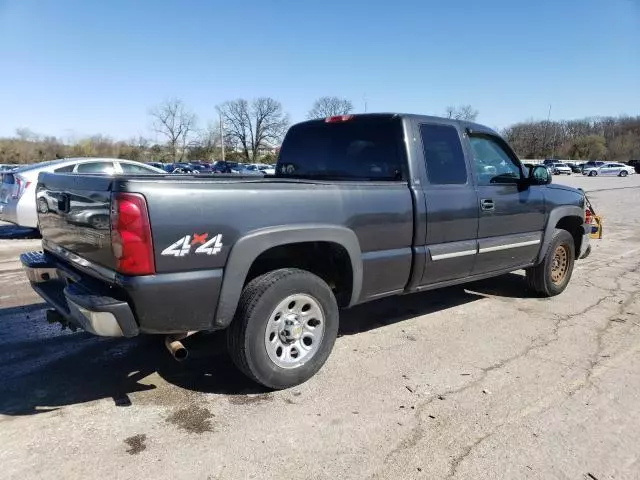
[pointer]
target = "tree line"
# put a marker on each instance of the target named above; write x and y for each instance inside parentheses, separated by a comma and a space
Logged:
(597, 138)
(252, 130)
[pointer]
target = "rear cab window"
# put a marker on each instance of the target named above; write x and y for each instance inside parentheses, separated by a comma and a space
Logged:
(443, 155)
(356, 148)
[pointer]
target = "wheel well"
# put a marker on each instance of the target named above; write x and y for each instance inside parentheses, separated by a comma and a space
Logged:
(573, 225)
(330, 261)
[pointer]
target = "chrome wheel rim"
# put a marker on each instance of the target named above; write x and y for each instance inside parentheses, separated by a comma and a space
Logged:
(294, 331)
(560, 264)
(43, 207)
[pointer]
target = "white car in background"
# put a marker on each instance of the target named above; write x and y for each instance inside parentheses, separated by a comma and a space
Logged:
(18, 189)
(613, 169)
(266, 168)
(561, 169)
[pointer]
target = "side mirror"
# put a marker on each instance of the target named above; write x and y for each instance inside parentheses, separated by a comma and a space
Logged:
(539, 175)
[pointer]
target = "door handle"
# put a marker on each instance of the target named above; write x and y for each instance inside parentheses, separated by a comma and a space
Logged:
(487, 204)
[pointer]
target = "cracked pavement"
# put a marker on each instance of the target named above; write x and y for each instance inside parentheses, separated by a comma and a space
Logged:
(480, 381)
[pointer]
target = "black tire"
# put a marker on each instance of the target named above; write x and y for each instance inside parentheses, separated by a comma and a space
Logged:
(246, 334)
(540, 279)
(624, 173)
(43, 206)
(593, 174)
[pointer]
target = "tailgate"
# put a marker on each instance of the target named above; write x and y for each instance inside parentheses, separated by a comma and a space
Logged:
(74, 213)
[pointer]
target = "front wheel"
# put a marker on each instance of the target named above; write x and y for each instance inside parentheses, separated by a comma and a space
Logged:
(284, 328)
(593, 174)
(624, 173)
(552, 276)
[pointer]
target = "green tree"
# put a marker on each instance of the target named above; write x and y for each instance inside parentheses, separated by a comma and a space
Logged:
(591, 147)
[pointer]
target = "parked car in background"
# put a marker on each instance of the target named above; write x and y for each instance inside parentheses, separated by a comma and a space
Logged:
(266, 168)
(575, 167)
(159, 165)
(6, 168)
(591, 164)
(222, 166)
(201, 167)
(17, 192)
(561, 169)
(613, 169)
(251, 170)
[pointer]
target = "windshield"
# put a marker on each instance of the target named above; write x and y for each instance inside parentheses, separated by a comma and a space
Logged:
(365, 148)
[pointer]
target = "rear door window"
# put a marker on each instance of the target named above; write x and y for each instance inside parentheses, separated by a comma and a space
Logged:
(366, 148)
(67, 169)
(443, 155)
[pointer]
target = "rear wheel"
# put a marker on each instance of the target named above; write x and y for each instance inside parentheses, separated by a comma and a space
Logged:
(43, 206)
(552, 276)
(624, 173)
(593, 174)
(284, 328)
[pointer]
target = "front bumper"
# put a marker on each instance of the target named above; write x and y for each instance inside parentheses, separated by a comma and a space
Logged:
(585, 245)
(94, 312)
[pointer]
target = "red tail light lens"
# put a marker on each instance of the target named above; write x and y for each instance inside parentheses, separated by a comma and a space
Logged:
(131, 240)
(338, 118)
(20, 186)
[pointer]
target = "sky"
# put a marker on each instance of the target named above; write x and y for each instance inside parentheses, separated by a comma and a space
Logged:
(72, 68)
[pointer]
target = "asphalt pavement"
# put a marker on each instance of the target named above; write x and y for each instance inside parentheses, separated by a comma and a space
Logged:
(474, 382)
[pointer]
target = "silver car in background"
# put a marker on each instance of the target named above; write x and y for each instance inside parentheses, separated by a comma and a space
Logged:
(18, 203)
(613, 169)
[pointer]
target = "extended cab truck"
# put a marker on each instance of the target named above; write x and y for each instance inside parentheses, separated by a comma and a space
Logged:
(361, 207)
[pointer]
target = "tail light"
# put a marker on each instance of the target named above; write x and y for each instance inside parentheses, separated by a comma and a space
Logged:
(21, 184)
(131, 240)
(338, 118)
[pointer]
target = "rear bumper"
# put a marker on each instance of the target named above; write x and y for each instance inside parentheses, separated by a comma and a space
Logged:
(8, 212)
(96, 313)
(19, 212)
(162, 303)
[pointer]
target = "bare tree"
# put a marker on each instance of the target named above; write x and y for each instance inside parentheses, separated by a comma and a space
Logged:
(462, 112)
(175, 122)
(330, 107)
(254, 127)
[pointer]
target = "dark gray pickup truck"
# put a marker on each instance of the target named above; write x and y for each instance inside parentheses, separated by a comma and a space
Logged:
(361, 207)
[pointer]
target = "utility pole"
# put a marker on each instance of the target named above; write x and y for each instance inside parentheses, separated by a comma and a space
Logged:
(364, 98)
(546, 125)
(221, 135)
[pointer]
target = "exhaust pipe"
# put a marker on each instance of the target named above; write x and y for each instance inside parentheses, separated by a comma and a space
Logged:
(174, 344)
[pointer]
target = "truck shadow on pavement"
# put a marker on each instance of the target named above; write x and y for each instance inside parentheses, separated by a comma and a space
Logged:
(44, 368)
(14, 232)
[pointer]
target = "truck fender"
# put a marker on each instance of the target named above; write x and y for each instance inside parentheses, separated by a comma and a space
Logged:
(249, 247)
(554, 217)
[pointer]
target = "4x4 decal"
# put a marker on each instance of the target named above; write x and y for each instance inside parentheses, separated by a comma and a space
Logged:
(183, 246)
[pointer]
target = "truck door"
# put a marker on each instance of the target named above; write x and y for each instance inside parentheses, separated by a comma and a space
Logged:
(451, 204)
(512, 217)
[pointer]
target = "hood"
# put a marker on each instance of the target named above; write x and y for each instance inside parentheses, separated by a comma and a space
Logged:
(556, 186)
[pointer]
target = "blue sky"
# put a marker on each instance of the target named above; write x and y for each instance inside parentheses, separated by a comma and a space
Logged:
(78, 67)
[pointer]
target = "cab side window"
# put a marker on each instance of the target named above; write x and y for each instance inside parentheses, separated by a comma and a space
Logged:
(492, 164)
(443, 155)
